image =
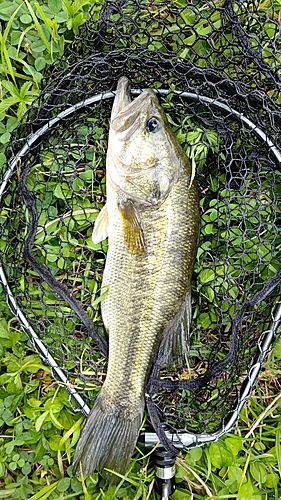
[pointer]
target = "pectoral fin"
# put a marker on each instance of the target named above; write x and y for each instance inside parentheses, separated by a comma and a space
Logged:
(101, 226)
(132, 227)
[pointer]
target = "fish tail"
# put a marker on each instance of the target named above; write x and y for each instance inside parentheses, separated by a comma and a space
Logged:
(108, 439)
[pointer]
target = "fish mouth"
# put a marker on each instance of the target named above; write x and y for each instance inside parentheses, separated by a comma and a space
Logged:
(125, 114)
(122, 96)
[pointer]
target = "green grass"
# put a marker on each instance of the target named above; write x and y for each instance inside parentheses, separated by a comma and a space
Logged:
(39, 428)
(34, 35)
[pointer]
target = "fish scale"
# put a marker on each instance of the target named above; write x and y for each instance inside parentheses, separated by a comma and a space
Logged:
(151, 219)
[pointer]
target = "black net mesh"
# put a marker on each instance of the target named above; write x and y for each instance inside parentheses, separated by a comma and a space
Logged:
(215, 66)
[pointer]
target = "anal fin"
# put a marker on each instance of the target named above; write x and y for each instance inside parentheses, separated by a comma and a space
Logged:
(175, 343)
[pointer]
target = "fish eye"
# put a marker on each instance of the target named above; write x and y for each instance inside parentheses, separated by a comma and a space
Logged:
(152, 125)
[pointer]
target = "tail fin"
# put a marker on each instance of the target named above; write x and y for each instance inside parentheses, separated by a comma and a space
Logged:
(107, 440)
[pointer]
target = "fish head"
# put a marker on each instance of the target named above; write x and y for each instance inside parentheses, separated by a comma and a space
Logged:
(143, 160)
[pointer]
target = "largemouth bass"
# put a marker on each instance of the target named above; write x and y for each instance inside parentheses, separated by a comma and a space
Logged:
(151, 219)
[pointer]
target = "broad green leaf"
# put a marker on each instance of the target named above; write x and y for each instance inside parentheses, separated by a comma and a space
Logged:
(220, 455)
(40, 63)
(234, 444)
(58, 192)
(248, 491)
(258, 471)
(26, 18)
(55, 404)
(55, 6)
(5, 104)
(61, 17)
(235, 472)
(7, 493)
(194, 454)
(26, 469)
(40, 420)
(52, 257)
(63, 484)
(181, 494)
(35, 403)
(206, 276)
(3, 160)
(15, 37)
(38, 46)
(272, 480)
(32, 364)
(5, 378)
(54, 442)
(12, 89)
(206, 320)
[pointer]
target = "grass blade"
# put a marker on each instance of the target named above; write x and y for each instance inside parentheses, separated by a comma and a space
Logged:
(278, 449)
(50, 24)
(39, 28)
(3, 40)
(70, 431)
(45, 492)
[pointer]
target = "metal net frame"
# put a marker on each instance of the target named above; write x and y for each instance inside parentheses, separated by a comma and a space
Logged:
(214, 69)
